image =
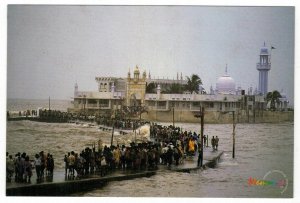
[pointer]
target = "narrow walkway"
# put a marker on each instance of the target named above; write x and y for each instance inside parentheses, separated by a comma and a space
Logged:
(59, 185)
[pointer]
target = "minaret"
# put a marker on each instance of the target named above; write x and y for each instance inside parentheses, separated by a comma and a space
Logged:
(128, 75)
(211, 90)
(136, 74)
(76, 90)
(263, 68)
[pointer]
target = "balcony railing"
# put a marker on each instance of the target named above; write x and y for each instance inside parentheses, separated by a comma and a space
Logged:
(263, 67)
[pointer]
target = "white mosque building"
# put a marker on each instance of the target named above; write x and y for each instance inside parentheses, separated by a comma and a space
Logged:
(115, 93)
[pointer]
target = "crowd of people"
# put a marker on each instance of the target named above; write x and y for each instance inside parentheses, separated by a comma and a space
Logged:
(20, 167)
(167, 134)
(90, 161)
(84, 163)
(119, 123)
(55, 116)
(139, 156)
(170, 146)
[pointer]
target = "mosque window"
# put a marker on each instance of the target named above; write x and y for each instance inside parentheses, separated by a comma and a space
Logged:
(172, 104)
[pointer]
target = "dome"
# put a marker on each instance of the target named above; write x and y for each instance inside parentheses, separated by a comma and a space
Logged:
(136, 71)
(283, 94)
(225, 85)
(264, 50)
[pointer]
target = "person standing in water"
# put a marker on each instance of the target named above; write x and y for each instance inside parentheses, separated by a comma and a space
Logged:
(217, 142)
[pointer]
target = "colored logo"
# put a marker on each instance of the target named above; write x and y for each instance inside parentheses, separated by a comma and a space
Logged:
(274, 178)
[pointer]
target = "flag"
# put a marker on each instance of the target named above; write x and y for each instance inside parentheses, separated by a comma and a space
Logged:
(273, 47)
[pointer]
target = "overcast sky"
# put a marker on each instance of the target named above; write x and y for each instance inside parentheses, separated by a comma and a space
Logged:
(52, 47)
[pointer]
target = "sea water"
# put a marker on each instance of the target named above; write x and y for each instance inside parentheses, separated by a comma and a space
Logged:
(262, 152)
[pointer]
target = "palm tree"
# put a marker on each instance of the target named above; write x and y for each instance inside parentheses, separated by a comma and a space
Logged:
(273, 98)
(151, 88)
(174, 88)
(193, 83)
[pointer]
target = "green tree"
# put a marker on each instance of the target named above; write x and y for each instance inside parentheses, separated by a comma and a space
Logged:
(193, 83)
(151, 88)
(273, 98)
(175, 88)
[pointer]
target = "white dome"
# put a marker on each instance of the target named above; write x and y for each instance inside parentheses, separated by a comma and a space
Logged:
(283, 95)
(225, 85)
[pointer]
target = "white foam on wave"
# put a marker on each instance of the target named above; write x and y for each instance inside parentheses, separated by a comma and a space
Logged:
(228, 162)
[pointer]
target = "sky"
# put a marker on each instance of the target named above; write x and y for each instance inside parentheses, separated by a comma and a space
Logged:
(49, 48)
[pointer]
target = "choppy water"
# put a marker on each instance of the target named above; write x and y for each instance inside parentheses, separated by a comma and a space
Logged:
(260, 148)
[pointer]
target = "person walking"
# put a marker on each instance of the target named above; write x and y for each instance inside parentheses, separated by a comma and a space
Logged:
(213, 142)
(217, 142)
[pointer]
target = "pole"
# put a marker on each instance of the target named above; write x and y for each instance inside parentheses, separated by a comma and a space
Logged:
(49, 103)
(84, 103)
(173, 117)
(140, 115)
(113, 128)
(206, 140)
(134, 132)
(254, 108)
(233, 136)
(112, 134)
(202, 129)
